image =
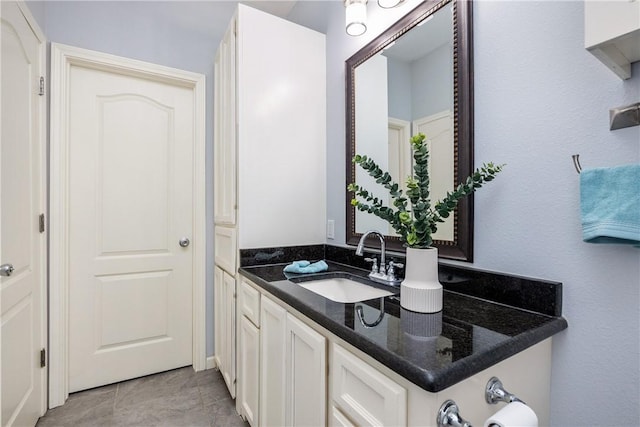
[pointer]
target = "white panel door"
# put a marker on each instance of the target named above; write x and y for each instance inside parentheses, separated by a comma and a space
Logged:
(21, 202)
(130, 203)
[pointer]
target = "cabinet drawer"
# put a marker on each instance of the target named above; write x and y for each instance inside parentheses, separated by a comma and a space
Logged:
(363, 394)
(226, 248)
(249, 302)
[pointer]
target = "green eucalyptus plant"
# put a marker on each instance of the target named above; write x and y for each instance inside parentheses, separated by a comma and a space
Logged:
(415, 224)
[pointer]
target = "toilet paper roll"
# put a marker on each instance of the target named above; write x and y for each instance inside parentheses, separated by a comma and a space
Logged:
(515, 414)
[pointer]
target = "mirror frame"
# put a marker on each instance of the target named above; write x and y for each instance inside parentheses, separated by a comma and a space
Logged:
(461, 248)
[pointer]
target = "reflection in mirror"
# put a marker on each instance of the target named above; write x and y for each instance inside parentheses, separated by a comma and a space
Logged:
(405, 89)
(414, 78)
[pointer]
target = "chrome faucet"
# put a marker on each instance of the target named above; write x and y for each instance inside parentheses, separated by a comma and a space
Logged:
(379, 273)
(382, 251)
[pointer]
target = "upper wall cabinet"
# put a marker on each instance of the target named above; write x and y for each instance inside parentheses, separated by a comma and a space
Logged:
(612, 33)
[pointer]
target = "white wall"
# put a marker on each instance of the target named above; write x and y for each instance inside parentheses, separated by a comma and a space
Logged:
(539, 98)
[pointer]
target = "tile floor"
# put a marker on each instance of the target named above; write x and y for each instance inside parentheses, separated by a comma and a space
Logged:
(178, 398)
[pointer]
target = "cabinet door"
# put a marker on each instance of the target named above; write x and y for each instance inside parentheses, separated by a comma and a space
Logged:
(225, 327)
(273, 322)
(363, 394)
(305, 375)
(219, 306)
(338, 419)
(248, 370)
(224, 139)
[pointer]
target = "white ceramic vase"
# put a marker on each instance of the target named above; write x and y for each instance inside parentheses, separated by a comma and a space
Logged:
(420, 290)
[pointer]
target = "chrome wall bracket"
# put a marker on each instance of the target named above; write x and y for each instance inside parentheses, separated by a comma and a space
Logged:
(624, 117)
(495, 392)
(449, 416)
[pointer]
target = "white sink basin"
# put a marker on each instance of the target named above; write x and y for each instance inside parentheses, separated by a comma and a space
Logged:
(343, 290)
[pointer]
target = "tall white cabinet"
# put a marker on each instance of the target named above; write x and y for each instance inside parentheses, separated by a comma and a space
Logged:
(269, 158)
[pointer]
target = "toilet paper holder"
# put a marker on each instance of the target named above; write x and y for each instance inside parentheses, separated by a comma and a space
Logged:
(495, 392)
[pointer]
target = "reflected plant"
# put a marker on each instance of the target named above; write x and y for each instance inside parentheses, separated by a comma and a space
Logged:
(412, 215)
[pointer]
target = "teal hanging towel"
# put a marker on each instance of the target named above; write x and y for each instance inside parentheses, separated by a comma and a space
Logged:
(610, 205)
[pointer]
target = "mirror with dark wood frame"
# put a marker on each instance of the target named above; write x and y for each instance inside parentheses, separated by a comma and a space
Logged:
(417, 76)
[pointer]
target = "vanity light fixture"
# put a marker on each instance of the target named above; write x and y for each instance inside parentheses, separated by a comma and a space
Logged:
(388, 4)
(356, 16)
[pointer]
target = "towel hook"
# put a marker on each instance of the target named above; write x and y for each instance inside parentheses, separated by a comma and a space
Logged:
(576, 162)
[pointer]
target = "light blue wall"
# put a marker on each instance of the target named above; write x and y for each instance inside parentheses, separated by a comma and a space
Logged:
(539, 98)
(421, 88)
(432, 83)
(400, 93)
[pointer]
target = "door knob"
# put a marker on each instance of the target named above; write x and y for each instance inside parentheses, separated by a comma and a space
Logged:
(184, 242)
(6, 269)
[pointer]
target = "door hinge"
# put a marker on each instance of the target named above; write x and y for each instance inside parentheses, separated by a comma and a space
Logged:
(43, 358)
(41, 93)
(41, 222)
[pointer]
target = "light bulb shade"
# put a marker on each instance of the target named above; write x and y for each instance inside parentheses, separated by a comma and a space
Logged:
(356, 17)
(388, 4)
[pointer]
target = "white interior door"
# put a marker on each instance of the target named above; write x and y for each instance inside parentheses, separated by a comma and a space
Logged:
(21, 202)
(439, 131)
(130, 204)
(399, 157)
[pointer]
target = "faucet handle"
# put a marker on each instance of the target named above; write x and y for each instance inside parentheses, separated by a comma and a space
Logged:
(374, 266)
(396, 264)
(391, 272)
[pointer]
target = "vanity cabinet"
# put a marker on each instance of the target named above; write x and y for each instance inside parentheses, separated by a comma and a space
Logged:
(612, 33)
(310, 376)
(281, 364)
(269, 154)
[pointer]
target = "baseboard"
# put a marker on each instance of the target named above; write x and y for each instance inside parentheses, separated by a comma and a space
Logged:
(211, 362)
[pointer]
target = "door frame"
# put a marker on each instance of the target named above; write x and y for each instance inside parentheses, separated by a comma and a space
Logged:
(42, 166)
(62, 58)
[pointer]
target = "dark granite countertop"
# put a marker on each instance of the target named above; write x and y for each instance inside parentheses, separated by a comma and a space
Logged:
(433, 351)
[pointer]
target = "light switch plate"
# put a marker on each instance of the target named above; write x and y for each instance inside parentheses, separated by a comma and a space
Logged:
(331, 229)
